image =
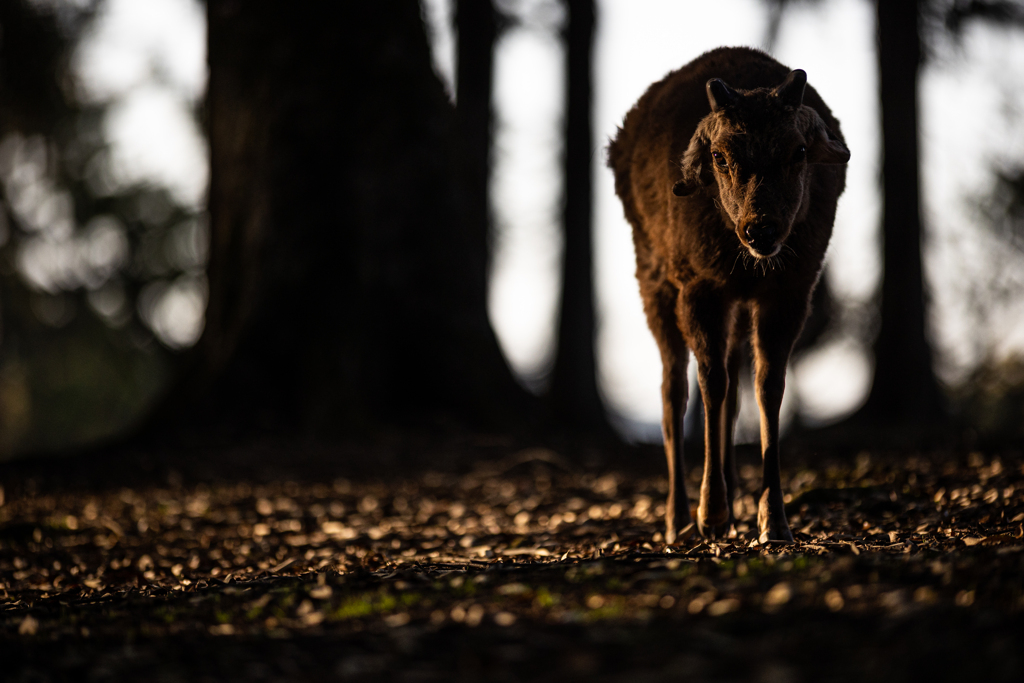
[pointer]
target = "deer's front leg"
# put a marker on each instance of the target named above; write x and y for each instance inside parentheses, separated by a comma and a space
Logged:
(703, 318)
(775, 331)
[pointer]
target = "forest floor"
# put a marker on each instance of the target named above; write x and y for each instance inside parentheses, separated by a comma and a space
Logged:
(906, 567)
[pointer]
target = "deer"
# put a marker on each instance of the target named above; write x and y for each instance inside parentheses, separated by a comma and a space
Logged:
(729, 171)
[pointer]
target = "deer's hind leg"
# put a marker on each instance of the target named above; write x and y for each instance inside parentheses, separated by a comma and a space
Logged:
(659, 304)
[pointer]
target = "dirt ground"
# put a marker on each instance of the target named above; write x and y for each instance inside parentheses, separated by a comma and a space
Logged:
(521, 568)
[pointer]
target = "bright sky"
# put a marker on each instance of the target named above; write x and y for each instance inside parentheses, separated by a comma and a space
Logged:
(148, 58)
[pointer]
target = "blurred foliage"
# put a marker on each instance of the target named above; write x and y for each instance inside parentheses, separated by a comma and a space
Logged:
(991, 400)
(955, 14)
(85, 262)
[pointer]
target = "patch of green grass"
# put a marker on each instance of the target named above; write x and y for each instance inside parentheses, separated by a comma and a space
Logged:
(544, 599)
(685, 570)
(459, 587)
(367, 604)
(165, 614)
(386, 603)
(354, 607)
(613, 608)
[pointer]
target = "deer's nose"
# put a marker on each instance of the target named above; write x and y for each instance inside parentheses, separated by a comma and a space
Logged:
(762, 236)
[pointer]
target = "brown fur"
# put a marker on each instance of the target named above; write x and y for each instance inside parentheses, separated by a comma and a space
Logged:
(727, 249)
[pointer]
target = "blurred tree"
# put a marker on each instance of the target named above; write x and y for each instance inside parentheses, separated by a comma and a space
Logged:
(32, 52)
(346, 272)
(904, 389)
(574, 397)
(477, 25)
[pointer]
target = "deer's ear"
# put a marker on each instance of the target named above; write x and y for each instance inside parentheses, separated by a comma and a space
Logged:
(694, 164)
(827, 149)
(791, 90)
(720, 95)
(682, 188)
(823, 146)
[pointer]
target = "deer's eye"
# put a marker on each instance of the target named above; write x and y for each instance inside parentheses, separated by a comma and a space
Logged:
(720, 160)
(800, 154)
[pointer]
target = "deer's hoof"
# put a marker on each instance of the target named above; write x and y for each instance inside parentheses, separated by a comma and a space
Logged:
(673, 537)
(776, 535)
(678, 525)
(720, 532)
(714, 526)
(771, 519)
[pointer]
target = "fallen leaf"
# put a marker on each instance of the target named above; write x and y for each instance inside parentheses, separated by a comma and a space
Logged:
(720, 607)
(999, 539)
(29, 625)
(504, 618)
(778, 595)
(321, 592)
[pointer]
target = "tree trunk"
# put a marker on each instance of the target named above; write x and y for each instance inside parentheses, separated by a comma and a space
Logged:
(905, 389)
(574, 397)
(347, 277)
(477, 25)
